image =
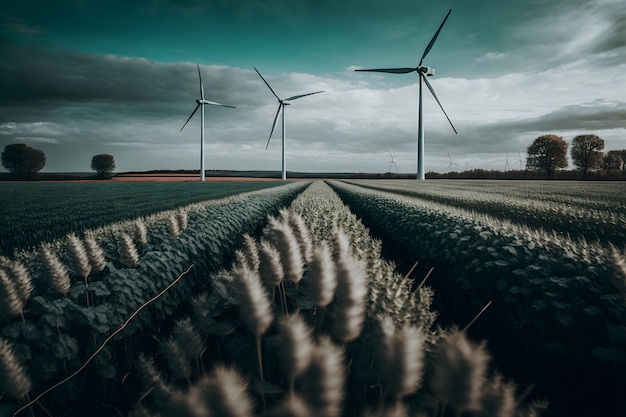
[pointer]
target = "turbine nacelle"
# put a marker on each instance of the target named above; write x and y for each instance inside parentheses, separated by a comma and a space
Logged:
(428, 71)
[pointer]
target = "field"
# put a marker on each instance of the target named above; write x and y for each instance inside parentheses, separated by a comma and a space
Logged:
(302, 298)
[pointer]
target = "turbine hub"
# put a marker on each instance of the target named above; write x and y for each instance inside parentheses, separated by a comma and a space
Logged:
(428, 71)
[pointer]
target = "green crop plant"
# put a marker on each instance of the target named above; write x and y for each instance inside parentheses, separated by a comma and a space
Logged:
(277, 353)
(60, 329)
(556, 299)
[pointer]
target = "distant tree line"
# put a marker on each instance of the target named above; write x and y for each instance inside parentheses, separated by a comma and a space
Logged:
(24, 162)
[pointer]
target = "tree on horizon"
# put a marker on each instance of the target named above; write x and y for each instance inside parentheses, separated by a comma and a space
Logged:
(23, 161)
(103, 164)
(547, 153)
(586, 153)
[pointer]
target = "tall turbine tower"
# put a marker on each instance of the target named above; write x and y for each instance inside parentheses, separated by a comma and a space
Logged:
(281, 106)
(201, 103)
(423, 72)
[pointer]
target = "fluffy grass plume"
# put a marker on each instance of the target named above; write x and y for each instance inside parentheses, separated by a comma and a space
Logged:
(59, 276)
(459, 369)
(301, 232)
(224, 392)
(251, 252)
(325, 379)
(11, 304)
(78, 254)
(292, 406)
(322, 276)
(13, 379)
(498, 399)
(177, 361)
(140, 232)
(181, 217)
(284, 240)
(189, 338)
(127, 250)
(173, 227)
(254, 304)
(349, 308)
(153, 379)
(19, 275)
(296, 345)
(402, 359)
(95, 254)
(270, 266)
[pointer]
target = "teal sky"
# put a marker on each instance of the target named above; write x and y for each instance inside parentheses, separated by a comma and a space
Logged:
(83, 77)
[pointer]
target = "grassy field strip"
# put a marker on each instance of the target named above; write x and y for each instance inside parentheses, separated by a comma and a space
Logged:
(555, 303)
(313, 322)
(80, 292)
(600, 216)
(36, 212)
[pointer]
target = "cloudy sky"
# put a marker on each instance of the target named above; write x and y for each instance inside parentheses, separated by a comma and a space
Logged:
(82, 77)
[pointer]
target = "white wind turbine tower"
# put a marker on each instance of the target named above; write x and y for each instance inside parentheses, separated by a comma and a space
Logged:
(201, 103)
(423, 72)
(281, 106)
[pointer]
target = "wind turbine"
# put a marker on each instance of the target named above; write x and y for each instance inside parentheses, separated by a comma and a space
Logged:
(507, 166)
(281, 106)
(201, 103)
(451, 163)
(392, 162)
(520, 160)
(423, 72)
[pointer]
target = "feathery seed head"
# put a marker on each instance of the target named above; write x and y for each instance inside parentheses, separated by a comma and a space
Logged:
(95, 254)
(270, 266)
(251, 252)
(302, 235)
(349, 312)
(292, 406)
(296, 344)
(127, 251)
(153, 379)
(140, 232)
(459, 371)
(177, 360)
(18, 273)
(341, 245)
(82, 266)
(59, 275)
(11, 304)
(325, 378)
(282, 237)
(322, 276)
(181, 217)
(498, 399)
(402, 360)
(224, 393)
(13, 379)
(188, 338)
(173, 228)
(255, 308)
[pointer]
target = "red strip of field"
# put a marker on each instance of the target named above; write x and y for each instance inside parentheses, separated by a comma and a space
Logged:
(183, 178)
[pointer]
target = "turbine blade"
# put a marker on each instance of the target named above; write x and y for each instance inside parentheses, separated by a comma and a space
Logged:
(390, 70)
(266, 83)
(432, 41)
(280, 106)
(201, 86)
(438, 102)
(302, 95)
(192, 113)
(213, 103)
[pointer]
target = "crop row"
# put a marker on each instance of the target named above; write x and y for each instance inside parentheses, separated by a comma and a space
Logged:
(40, 212)
(595, 212)
(311, 321)
(558, 307)
(64, 299)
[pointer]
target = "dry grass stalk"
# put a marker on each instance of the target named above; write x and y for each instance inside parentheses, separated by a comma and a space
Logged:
(11, 304)
(402, 360)
(95, 254)
(325, 379)
(19, 275)
(270, 266)
(127, 250)
(59, 275)
(78, 255)
(322, 276)
(296, 346)
(13, 379)
(459, 371)
(224, 393)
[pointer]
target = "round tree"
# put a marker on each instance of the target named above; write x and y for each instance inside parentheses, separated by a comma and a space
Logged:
(103, 164)
(547, 153)
(586, 152)
(22, 161)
